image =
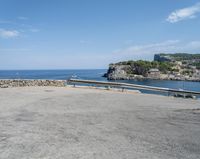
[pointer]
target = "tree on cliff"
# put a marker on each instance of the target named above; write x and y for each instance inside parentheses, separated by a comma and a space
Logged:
(142, 67)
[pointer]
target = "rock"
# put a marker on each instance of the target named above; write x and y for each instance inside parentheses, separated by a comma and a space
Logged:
(25, 83)
(117, 72)
(4, 86)
(105, 75)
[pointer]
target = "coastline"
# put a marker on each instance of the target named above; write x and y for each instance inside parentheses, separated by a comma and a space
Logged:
(148, 78)
(9, 83)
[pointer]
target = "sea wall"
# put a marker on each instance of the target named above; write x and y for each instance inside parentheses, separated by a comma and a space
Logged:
(26, 83)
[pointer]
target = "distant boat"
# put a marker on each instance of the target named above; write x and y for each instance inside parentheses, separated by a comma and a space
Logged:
(74, 76)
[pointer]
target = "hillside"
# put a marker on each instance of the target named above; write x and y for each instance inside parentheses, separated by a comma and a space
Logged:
(180, 66)
(180, 56)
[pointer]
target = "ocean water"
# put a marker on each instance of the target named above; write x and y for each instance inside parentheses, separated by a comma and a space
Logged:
(52, 74)
(93, 75)
(186, 85)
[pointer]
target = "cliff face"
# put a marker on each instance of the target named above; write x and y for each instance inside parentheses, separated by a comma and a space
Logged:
(164, 67)
(162, 58)
(116, 72)
(120, 72)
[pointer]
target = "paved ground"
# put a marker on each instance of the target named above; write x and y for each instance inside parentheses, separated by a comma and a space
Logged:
(72, 123)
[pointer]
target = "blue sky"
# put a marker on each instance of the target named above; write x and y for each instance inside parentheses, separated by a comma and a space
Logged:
(74, 34)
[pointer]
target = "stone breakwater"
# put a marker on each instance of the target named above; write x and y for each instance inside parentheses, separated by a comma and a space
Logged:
(26, 83)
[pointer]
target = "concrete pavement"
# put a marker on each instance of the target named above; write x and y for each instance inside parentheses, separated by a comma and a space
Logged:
(73, 123)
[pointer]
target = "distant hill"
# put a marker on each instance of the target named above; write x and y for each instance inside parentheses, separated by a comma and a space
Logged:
(178, 66)
(176, 57)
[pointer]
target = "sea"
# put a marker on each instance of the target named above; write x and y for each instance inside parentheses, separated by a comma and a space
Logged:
(94, 74)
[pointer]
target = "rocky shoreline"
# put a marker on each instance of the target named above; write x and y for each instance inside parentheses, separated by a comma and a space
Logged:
(7, 83)
(138, 77)
(177, 67)
(118, 72)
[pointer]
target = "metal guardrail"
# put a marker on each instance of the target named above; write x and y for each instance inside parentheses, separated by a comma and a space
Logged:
(131, 86)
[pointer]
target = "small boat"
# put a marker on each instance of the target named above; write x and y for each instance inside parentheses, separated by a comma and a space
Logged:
(74, 76)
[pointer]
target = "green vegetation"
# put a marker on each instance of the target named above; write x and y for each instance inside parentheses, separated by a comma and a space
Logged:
(182, 56)
(187, 72)
(197, 64)
(179, 65)
(142, 67)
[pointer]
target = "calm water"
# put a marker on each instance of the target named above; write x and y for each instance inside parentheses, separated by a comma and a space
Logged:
(52, 74)
(93, 75)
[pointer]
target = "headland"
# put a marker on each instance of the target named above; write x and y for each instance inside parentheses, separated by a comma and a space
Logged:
(179, 66)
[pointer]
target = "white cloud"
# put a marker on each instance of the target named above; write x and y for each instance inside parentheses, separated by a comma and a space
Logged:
(9, 33)
(22, 18)
(184, 13)
(148, 50)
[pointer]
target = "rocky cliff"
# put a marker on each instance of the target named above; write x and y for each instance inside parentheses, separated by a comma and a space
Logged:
(180, 67)
(121, 72)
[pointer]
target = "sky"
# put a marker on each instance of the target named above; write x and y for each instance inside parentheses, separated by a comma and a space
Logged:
(90, 34)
